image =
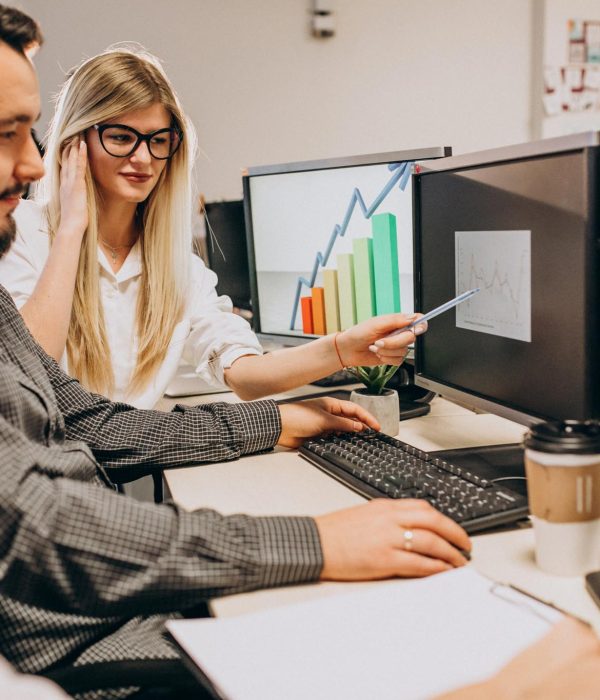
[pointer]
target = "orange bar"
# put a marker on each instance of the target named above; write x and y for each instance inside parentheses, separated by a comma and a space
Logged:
(307, 315)
(318, 310)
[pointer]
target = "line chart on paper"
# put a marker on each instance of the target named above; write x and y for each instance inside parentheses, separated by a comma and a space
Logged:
(499, 262)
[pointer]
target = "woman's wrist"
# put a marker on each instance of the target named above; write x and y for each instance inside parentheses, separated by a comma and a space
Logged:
(337, 346)
(69, 231)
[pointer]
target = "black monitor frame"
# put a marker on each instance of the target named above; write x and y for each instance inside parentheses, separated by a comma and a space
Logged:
(228, 257)
(415, 154)
(589, 144)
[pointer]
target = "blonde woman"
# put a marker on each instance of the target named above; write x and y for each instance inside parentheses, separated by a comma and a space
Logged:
(102, 270)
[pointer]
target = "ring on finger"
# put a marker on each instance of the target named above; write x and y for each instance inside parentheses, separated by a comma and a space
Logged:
(408, 536)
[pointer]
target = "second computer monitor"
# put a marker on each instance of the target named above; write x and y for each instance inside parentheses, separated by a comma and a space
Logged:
(522, 224)
(330, 242)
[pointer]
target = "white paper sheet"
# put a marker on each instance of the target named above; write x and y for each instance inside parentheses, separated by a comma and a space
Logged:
(399, 640)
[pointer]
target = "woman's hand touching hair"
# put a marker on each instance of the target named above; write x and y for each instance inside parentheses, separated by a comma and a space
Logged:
(73, 193)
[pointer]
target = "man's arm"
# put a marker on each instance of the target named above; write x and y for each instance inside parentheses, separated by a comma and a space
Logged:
(124, 438)
(75, 547)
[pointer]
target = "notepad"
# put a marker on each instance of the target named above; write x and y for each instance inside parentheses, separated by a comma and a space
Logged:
(401, 640)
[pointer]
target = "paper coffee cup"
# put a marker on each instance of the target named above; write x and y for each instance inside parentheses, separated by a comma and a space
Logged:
(562, 461)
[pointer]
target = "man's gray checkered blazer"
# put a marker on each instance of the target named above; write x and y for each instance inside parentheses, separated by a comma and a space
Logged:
(89, 575)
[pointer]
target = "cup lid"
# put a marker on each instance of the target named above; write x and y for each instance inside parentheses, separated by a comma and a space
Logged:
(567, 436)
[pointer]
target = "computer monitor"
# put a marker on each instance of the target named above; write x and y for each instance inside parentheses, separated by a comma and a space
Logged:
(310, 227)
(228, 251)
(522, 224)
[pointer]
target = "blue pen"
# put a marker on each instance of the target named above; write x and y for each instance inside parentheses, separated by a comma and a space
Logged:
(436, 312)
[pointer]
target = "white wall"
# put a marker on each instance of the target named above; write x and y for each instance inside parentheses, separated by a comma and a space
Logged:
(260, 89)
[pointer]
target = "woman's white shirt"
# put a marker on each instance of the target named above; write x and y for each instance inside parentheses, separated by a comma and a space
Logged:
(210, 337)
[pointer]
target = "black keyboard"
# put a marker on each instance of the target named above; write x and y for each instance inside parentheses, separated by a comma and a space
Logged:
(376, 465)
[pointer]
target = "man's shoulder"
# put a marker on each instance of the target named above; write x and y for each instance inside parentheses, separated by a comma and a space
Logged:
(31, 218)
(13, 331)
(7, 305)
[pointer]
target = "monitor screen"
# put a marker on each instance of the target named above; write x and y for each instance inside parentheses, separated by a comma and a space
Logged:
(227, 250)
(330, 242)
(520, 223)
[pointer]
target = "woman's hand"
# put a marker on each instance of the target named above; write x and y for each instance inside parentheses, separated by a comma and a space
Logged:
(73, 194)
(563, 664)
(367, 344)
(304, 419)
(386, 538)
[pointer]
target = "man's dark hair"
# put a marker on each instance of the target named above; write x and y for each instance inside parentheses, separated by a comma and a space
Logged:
(18, 30)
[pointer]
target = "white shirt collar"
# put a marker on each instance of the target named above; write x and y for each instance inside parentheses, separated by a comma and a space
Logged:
(131, 268)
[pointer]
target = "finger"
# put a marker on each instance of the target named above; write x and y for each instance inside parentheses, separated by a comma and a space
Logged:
(81, 158)
(388, 358)
(349, 409)
(413, 565)
(420, 514)
(429, 544)
(402, 339)
(65, 155)
(69, 160)
(383, 325)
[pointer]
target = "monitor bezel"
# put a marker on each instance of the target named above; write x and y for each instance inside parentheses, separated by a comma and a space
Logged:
(414, 154)
(587, 143)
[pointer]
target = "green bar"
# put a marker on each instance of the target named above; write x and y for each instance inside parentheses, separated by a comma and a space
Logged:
(332, 307)
(385, 263)
(364, 286)
(346, 290)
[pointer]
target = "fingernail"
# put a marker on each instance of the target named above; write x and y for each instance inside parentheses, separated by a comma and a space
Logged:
(420, 328)
(374, 348)
(379, 343)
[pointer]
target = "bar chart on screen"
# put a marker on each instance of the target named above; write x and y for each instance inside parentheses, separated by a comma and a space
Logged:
(364, 284)
(347, 287)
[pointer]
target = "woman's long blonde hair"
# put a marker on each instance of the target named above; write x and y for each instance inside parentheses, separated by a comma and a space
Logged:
(100, 89)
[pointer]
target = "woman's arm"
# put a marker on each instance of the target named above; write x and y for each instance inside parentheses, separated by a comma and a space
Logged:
(253, 376)
(47, 312)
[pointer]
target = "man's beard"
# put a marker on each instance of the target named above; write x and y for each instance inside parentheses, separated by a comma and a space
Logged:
(8, 228)
(8, 231)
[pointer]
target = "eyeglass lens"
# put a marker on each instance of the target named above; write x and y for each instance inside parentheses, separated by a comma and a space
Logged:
(121, 141)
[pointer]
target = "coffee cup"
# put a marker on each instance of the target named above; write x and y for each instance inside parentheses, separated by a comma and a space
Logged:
(562, 462)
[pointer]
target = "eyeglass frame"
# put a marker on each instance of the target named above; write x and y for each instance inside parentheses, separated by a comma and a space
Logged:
(101, 128)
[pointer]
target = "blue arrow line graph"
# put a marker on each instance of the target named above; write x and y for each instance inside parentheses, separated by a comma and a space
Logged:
(401, 173)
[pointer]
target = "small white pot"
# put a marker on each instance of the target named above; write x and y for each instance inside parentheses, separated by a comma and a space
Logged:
(385, 407)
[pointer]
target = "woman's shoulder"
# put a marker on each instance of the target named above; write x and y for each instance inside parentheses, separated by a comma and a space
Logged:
(200, 274)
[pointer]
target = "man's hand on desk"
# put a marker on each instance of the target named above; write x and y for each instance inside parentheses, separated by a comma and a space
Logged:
(564, 664)
(386, 538)
(305, 419)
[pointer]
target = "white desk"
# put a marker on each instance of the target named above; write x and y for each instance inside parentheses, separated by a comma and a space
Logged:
(282, 483)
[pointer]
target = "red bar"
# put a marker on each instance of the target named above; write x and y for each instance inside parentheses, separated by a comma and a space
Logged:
(307, 315)
(318, 310)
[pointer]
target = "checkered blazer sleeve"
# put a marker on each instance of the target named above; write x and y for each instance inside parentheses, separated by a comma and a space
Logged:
(130, 441)
(77, 547)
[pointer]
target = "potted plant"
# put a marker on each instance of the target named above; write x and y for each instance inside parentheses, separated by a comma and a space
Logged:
(383, 403)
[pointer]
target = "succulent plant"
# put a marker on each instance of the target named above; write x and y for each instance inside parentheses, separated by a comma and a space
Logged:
(374, 378)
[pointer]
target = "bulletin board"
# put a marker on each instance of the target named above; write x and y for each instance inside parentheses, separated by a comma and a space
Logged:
(570, 85)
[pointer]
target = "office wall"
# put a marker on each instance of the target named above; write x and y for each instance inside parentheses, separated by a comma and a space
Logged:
(260, 89)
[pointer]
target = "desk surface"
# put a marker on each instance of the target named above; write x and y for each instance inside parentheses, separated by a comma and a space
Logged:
(281, 482)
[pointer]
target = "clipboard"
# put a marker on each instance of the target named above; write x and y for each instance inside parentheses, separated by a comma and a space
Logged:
(406, 640)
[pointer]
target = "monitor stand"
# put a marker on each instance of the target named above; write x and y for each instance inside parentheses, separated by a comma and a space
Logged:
(412, 409)
(502, 464)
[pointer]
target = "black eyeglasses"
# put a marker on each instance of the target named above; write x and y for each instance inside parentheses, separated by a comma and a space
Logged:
(121, 141)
